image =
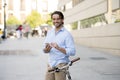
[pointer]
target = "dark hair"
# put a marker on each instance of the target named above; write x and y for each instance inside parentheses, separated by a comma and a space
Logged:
(59, 13)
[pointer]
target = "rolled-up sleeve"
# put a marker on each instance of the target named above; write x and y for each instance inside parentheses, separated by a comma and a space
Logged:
(70, 46)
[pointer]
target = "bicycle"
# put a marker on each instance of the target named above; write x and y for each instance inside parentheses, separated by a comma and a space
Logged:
(58, 69)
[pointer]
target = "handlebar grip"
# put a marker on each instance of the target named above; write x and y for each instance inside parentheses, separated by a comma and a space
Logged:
(54, 69)
(74, 60)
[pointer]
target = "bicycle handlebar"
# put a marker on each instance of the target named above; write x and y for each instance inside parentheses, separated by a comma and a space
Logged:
(72, 61)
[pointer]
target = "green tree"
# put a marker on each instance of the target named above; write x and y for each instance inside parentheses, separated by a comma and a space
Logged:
(34, 19)
(12, 20)
(49, 21)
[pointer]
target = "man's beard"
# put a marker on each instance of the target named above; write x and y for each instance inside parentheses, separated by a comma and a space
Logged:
(58, 25)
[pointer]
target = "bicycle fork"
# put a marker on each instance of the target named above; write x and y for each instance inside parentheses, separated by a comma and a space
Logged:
(68, 74)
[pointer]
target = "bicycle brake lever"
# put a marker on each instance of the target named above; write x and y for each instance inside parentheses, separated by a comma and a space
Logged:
(70, 63)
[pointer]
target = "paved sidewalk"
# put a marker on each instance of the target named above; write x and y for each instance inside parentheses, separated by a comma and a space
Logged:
(24, 60)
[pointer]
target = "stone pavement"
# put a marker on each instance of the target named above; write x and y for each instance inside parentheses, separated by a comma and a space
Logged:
(23, 59)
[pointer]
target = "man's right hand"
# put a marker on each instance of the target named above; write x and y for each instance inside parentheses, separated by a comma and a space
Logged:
(47, 48)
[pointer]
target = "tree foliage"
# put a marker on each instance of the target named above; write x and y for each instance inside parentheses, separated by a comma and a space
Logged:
(49, 21)
(34, 19)
(12, 20)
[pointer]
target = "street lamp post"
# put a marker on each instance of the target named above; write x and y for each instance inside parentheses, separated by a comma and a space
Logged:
(4, 32)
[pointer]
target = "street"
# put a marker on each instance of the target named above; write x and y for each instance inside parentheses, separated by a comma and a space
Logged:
(23, 59)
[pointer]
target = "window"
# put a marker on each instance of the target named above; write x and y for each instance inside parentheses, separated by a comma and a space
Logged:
(0, 4)
(62, 8)
(76, 2)
(0, 19)
(22, 5)
(94, 21)
(69, 5)
(10, 4)
(44, 6)
(116, 15)
(22, 16)
(34, 5)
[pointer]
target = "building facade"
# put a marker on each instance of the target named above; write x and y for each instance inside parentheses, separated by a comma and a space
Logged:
(22, 8)
(96, 22)
(78, 10)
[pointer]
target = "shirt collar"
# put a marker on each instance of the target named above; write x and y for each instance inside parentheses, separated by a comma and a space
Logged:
(62, 29)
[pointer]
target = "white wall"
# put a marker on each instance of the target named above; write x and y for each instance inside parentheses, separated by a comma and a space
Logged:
(105, 38)
(88, 8)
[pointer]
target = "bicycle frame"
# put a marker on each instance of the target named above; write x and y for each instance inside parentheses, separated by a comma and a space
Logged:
(58, 69)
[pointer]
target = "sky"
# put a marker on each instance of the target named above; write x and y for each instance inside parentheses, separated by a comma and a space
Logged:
(52, 5)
